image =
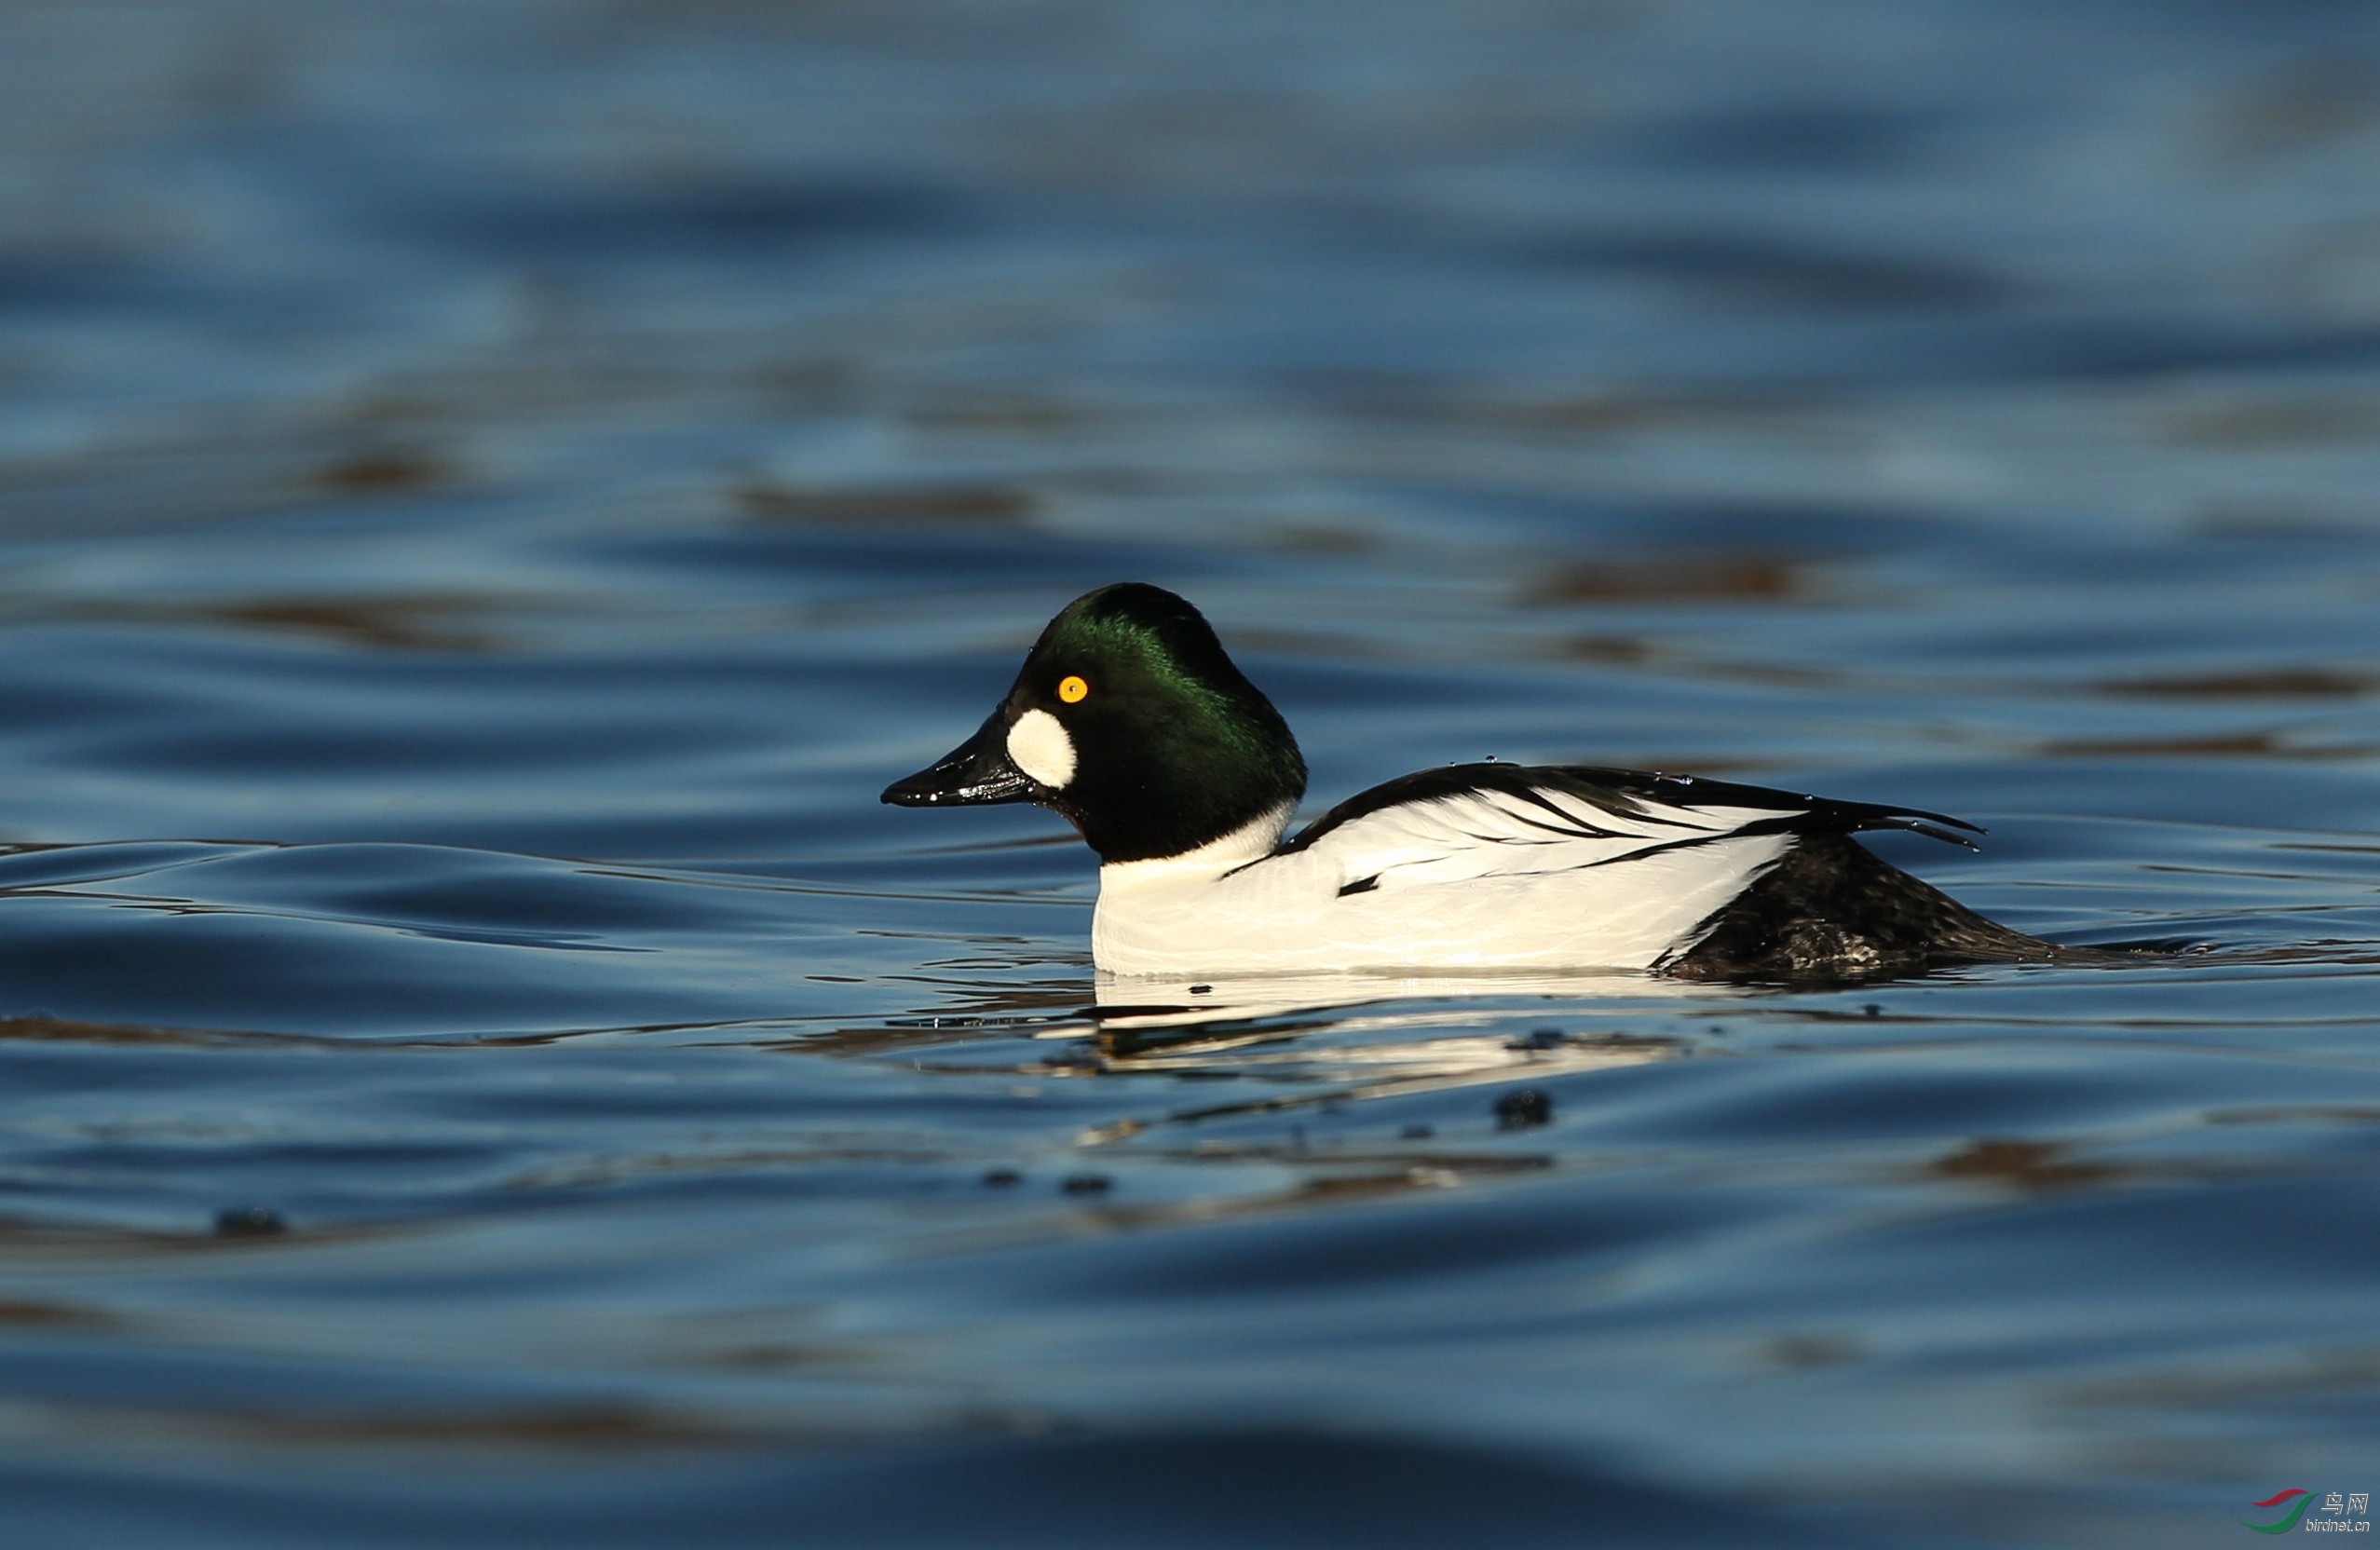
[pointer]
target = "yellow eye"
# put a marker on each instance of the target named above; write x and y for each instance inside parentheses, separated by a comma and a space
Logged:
(1071, 689)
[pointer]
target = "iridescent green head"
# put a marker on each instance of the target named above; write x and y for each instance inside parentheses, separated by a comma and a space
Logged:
(1129, 720)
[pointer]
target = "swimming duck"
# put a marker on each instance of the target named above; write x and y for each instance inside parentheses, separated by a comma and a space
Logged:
(1130, 720)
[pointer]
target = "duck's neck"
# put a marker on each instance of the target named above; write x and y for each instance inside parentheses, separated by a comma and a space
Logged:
(1251, 841)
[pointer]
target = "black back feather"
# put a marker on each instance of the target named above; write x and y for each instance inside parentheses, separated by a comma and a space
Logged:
(1637, 797)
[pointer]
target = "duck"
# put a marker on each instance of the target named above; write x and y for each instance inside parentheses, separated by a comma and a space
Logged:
(1131, 721)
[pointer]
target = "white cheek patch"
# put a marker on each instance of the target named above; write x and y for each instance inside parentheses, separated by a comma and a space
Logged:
(1039, 746)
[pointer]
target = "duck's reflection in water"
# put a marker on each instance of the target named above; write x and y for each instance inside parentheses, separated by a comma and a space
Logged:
(1151, 1003)
(1369, 1028)
(1328, 1038)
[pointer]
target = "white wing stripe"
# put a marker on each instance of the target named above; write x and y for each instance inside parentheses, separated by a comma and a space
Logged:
(1496, 833)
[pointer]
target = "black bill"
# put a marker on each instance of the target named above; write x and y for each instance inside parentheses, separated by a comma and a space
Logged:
(977, 773)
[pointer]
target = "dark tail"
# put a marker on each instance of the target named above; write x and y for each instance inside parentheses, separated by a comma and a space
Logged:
(1833, 911)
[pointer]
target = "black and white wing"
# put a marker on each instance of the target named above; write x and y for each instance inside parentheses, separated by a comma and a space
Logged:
(1474, 820)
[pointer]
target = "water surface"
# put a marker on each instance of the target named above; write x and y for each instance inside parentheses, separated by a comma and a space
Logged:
(490, 493)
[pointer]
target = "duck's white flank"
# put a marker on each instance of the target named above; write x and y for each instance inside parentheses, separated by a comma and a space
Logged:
(1553, 882)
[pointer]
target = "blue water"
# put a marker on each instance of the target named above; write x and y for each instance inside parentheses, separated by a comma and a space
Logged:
(490, 493)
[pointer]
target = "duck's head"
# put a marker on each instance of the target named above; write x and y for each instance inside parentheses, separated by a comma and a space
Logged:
(1129, 721)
